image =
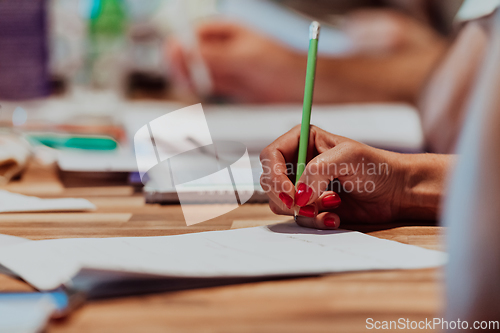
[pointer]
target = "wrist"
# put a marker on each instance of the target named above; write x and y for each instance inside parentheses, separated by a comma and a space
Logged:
(423, 186)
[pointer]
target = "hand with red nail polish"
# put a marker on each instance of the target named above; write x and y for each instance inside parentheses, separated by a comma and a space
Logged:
(302, 195)
(331, 201)
(286, 199)
(308, 211)
(371, 185)
(329, 222)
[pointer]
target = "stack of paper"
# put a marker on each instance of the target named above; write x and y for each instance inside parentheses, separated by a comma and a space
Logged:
(273, 251)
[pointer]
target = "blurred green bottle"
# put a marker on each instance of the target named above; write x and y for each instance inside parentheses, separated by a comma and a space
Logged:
(108, 19)
(107, 29)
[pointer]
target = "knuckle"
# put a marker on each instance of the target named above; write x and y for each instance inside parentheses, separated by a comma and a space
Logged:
(264, 154)
(313, 167)
(351, 148)
(265, 184)
(315, 130)
(265, 179)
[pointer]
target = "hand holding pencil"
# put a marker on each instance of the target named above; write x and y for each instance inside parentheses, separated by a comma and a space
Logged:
(371, 185)
(338, 178)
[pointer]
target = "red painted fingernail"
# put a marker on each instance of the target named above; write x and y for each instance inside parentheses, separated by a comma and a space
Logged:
(329, 222)
(331, 201)
(308, 211)
(303, 195)
(287, 200)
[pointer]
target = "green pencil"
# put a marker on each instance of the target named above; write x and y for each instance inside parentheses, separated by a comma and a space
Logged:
(308, 97)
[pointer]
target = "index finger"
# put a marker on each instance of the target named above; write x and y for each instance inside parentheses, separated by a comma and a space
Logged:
(277, 160)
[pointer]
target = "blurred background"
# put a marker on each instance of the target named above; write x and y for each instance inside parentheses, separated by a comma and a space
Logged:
(129, 46)
(79, 78)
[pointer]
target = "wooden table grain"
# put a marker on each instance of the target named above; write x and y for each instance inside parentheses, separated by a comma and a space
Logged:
(330, 303)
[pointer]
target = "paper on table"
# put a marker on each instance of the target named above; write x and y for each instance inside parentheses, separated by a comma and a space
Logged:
(120, 160)
(15, 203)
(6, 240)
(278, 250)
(25, 315)
(392, 126)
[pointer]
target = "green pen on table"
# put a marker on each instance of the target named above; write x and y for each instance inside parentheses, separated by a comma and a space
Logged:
(72, 141)
(308, 98)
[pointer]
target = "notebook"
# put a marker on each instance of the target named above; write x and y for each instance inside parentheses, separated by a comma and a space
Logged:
(390, 126)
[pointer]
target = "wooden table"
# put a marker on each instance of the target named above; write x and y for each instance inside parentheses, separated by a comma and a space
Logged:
(331, 303)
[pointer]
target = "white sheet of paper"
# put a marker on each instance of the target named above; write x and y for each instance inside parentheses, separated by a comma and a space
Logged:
(395, 126)
(16, 203)
(7, 240)
(121, 160)
(25, 316)
(277, 250)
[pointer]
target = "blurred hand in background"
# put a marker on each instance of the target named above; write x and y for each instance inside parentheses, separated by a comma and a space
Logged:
(244, 65)
(393, 56)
